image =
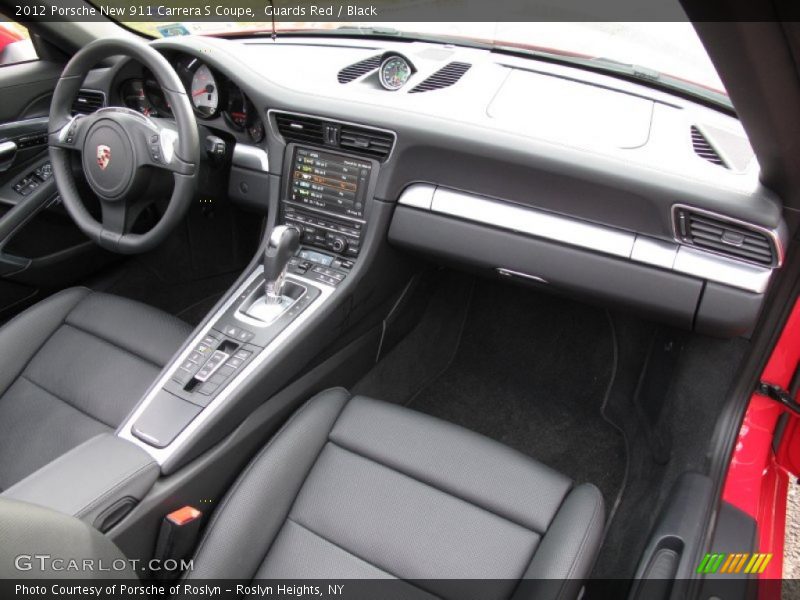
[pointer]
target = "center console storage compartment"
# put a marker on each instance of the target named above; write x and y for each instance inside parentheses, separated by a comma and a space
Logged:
(99, 481)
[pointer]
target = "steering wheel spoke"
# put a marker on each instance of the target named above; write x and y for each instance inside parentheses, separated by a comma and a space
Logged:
(73, 134)
(158, 148)
(115, 218)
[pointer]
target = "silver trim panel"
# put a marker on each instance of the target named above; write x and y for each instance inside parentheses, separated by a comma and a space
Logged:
(706, 265)
(654, 252)
(418, 195)
(250, 157)
(161, 455)
(532, 222)
(599, 238)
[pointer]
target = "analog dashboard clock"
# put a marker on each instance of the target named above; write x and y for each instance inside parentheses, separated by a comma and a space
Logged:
(394, 72)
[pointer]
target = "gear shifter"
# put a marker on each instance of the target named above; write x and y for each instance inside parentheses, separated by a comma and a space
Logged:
(283, 243)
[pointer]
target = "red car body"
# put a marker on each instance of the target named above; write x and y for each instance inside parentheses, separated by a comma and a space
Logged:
(759, 472)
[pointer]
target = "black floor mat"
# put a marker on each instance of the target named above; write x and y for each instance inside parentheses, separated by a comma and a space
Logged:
(527, 369)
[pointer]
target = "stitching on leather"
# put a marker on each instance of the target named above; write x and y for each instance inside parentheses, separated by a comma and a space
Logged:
(437, 488)
(65, 401)
(361, 558)
(243, 476)
(114, 487)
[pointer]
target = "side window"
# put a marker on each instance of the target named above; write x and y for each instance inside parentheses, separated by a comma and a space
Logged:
(15, 43)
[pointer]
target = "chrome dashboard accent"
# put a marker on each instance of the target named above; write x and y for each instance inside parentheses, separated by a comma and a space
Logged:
(599, 238)
(161, 455)
(418, 195)
(250, 157)
(707, 265)
(654, 252)
(509, 273)
(778, 236)
(533, 222)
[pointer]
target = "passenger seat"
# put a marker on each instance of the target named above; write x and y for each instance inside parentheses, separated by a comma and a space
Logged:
(354, 488)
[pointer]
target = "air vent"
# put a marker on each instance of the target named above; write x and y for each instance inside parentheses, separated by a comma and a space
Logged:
(444, 77)
(295, 128)
(721, 236)
(366, 141)
(88, 101)
(704, 149)
(370, 142)
(359, 69)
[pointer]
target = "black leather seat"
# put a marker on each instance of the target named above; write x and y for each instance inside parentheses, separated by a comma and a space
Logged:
(354, 488)
(358, 488)
(73, 366)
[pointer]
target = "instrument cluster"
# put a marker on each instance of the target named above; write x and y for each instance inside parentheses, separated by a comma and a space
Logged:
(212, 95)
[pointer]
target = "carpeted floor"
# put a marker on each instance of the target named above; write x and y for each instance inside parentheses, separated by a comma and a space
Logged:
(527, 369)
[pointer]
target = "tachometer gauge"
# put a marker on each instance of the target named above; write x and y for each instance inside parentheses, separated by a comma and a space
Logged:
(205, 92)
(395, 72)
(238, 111)
(155, 95)
(133, 96)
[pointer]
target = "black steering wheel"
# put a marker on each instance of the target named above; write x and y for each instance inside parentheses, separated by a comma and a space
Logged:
(120, 147)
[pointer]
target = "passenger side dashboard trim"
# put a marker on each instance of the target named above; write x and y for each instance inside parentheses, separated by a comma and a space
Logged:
(590, 236)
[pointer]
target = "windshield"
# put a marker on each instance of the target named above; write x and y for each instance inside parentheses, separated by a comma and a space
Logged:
(653, 51)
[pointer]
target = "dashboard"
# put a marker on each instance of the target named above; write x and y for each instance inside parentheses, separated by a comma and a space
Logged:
(603, 188)
(216, 99)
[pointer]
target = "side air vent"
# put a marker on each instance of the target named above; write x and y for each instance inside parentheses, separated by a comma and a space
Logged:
(355, 139)
(359, 69)
(296, 128)
(88, 101)
(371, 142)
(704, 149)
(731, 238)
(444, 77)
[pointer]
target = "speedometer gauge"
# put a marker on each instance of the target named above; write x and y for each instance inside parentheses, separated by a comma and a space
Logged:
(205, 92)
(395, 72)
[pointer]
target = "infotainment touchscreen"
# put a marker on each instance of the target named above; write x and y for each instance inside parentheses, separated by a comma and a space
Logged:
(329, 182)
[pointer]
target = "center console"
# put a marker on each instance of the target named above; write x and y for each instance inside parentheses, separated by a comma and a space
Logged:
(312, 250)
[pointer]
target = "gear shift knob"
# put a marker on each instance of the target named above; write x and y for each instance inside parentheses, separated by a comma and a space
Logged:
(283, 243)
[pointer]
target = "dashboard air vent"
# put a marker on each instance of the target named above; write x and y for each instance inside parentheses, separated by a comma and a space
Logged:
(704, 149)
(366, 141)
(359, 69)
(296, 128)
(731, 238)
(444, 77)
(362, 140)
(88, 101)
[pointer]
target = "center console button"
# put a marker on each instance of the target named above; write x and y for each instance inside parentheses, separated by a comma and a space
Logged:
(231, 331)
(182, 376)
(225, 371)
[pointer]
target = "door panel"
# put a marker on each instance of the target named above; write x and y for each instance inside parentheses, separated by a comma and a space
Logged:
(41, 249)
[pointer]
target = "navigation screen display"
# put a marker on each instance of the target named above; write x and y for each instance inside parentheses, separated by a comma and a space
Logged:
(329, 182)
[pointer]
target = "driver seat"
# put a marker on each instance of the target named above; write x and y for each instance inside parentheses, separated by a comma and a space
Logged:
(74, 366)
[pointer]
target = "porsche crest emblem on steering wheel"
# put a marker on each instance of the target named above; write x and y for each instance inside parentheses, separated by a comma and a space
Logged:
(103, 156)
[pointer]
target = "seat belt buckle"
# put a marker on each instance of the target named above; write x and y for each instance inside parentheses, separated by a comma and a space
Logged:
(177, 538)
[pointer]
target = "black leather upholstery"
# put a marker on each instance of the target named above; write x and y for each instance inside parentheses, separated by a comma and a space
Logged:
(354, 488)
(73, 366)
